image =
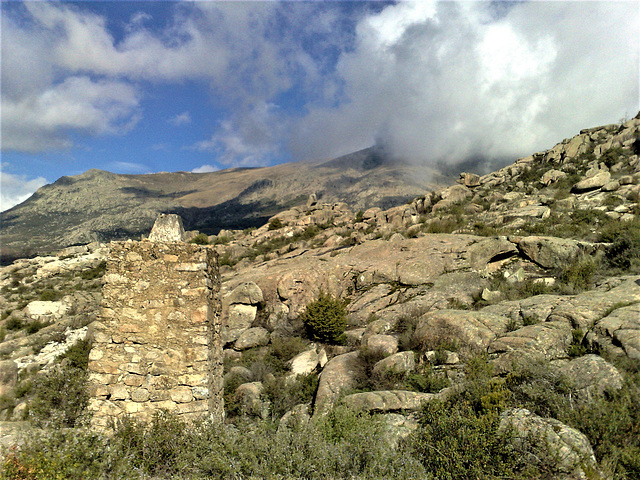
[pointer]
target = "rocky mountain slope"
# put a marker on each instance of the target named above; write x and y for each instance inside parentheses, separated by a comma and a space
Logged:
(102, 206)
(514, 294)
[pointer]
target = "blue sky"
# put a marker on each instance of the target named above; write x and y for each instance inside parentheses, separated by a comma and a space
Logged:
(143, 87)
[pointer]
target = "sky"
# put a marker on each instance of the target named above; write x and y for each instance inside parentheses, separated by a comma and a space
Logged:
(151, 86)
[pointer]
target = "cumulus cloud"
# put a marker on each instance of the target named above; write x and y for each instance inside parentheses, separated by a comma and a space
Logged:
(41, 121)
(183, 118)
(251, 140)
(430, 81)
(453, 81)
(17, 188)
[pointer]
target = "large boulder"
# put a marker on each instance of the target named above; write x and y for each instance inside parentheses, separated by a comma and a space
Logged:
(490, 250)
(239, 318)
(549, 340)
(550, 252)
(473, 330)
(338, 375)
(247, 292)
(388, 400)
(619, 332)
(585, 309)
(252, 337)
(305, 362)
(552, 176)
(248, 397)
(401, 362)
(591, 375)
(596, 181)
(384, 344)
(46, 310)
(561, 450)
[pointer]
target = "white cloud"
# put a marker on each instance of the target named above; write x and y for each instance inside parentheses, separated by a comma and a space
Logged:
(430, 80)
(205, 169)
(183, 118)
(251, 139)
(17, 188)
(42, 121)
(457, 81)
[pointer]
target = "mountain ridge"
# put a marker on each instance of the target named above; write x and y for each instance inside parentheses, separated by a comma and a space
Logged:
(98, 205)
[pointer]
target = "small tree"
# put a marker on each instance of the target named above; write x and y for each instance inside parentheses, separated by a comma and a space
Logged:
(325, 319)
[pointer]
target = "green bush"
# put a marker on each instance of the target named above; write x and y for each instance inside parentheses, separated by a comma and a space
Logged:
(428, 381)
(342, 444)
(325, 319)
(284, 394)
(77, 355)
(60, 395)
(579, 274)
(50, 295)
(36, 326)
(577, 349)
(275, 224)
(96, 272)
(624, 253)
(200, 239)
(13, 323)
(454, 442)
(285, 348)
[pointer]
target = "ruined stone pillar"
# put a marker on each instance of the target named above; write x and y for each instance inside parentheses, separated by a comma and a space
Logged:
(157, 340)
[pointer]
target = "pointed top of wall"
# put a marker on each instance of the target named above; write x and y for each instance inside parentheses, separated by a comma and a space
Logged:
(167, 228)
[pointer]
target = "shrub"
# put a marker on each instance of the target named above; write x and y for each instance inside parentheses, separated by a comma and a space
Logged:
(325, 319)
(36, 326)
(222, 240)
(275, 224)
(50, 295)
(405, 326)
(13, 323)
(77, 355)
(60, 397)
(285, 348)
(284, 394)
(428, 381)
(576, 349)
(624, 253)
(578, 275)
(95, 272)
(200, 239)
(454, 442)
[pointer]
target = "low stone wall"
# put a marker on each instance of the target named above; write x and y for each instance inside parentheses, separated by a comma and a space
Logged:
(157, 341)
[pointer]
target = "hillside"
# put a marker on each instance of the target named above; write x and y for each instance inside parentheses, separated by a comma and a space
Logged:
(489, 329)
(103, 206)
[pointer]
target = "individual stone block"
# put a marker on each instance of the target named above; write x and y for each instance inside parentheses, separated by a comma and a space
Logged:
(181, 394)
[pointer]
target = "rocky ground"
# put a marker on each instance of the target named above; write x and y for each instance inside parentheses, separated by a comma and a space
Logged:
(534, 266)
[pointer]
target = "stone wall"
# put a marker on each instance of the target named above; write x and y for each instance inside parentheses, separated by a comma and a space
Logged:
(157, 341)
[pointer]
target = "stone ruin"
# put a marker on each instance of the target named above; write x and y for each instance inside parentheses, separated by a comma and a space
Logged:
(156, 345)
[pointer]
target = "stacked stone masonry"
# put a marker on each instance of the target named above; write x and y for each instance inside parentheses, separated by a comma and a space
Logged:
(157, 345)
